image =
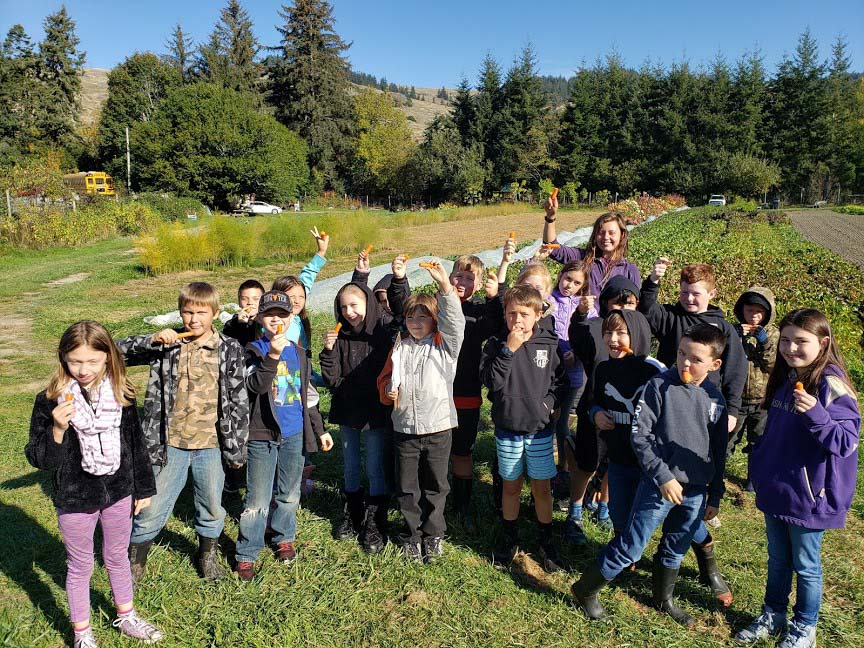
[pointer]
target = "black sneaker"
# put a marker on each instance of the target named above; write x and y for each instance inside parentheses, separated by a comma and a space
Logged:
(433, 548)
(413, 551)
(574, 532)
(505, 552)
(549, 558)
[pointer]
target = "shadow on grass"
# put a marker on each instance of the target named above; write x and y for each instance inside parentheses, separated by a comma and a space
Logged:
(37, 550)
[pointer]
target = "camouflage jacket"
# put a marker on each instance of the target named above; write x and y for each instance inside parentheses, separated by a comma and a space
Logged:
(760, 362)
(233, 414)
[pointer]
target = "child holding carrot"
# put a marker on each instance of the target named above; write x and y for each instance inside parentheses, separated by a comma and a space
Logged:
(242, 326)
(804, 469)
(419, 383)
(196, 413)
(280, 431)
(85, 428)
(351, 361)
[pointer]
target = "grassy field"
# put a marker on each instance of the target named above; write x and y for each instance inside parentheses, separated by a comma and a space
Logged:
(336, 595)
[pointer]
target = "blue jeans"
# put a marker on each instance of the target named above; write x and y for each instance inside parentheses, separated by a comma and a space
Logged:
(283, 460)
(207, 481)
(650, 510)
(794, 548)
(623, 483)
(375, 441)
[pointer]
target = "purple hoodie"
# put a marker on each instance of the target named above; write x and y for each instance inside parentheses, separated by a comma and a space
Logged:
(804, 466)
(564, 309)
(566, 254)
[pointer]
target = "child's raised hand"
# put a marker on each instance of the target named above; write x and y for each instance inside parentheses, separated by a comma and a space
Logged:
(541, 254)
(166, 337)
(277, 343)
(399, 266)
(803, 401)
(603, 421)
(551, 206)
(62, 414)
(672, 491)
(141, 504)
(247, 314)
(326, 442)
(322, 239)
(363, 262)
(491, 284)
(439, 275)
(330, 340)
(586, 303)
(660, 267)
(517, 338)
(509, 250)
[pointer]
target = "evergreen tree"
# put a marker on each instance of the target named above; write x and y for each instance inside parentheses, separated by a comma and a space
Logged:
(747, 104)
(180, 54)
(211, 64)
(21, 95)
(228, 58)
(465, 114)
(842, 146)
(60, 71)
(309, 88)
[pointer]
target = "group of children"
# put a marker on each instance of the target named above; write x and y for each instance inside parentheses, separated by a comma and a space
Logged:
(406, 371)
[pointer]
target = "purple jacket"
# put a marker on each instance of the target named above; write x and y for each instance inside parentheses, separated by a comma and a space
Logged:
(566, 254)
(804, 466)
(564, 309)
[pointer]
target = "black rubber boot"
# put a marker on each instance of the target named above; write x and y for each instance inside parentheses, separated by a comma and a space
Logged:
(352, 516)
(506, 549)
(462, 501)
(663, 586)
(138, 559)
(371, 537)
(585, 591)
(709, 572)
(208, 559)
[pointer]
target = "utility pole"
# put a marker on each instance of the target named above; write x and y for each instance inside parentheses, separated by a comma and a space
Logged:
(128, 165)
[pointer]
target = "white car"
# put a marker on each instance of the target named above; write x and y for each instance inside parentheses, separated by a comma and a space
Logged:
(717, 200)
(260, 207)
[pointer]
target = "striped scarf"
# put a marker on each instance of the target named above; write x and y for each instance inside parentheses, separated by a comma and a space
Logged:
(98, 427)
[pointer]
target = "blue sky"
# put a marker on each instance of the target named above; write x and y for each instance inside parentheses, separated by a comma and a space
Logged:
(436, 42)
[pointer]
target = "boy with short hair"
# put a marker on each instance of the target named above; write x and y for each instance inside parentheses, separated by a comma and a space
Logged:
(482, 319)
(523, 369)
(196, 412)
(755, 311)
(669, 321)
(241, 327)
(679, 437)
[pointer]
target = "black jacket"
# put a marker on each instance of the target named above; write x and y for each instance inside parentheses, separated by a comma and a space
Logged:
(669, 322)
(617, 385)
(75, 490)
(352, 368)
(482, 319)
(243, 332)
(527, 386)
(263, 424)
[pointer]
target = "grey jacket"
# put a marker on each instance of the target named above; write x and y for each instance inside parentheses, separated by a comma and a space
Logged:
(425, 370)
(233, 413)
(680, 431)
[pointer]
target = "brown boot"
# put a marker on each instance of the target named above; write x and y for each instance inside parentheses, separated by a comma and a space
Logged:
(138, 559)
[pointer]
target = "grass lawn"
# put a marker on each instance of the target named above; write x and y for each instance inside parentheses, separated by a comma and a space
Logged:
(334, 594)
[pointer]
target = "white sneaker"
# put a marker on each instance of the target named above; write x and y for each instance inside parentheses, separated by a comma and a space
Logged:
(134, 626)
(767, 624)
(799, 636)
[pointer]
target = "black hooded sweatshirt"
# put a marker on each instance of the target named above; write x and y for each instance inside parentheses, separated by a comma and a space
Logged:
(669, 322)
(617, 385)
(527, 386)
(352, 368)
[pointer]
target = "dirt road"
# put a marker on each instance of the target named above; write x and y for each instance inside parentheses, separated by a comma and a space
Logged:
(843, 234)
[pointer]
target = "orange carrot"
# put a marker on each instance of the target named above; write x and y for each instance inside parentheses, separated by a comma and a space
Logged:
(368, 249)
(279, 329)
(426, 264)
(552, 246)
(67, 397)
(338, 328)
(512, 235)
(686, 376)
(405, 257)
(181, 336)
(799, 385)
(554, 193)
(322, 234)
(625, 349)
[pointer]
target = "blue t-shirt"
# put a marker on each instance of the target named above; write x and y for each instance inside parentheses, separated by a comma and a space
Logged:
(286, 391)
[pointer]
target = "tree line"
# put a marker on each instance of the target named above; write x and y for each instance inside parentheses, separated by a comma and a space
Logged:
(232, 116)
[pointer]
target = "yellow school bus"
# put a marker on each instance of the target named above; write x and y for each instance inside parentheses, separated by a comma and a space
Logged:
(90, 182)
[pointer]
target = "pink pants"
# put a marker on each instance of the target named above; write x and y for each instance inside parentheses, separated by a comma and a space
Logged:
(77, 530)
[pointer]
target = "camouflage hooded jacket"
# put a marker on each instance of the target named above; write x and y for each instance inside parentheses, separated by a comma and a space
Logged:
(761, 354)
(233, 412)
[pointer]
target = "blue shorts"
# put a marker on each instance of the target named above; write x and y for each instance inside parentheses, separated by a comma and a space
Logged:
(536, 449)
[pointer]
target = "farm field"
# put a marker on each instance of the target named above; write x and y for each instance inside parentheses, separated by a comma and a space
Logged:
(336, 595)
(843, 234)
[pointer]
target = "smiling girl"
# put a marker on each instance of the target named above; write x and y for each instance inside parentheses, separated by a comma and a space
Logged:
(85, 428)
(803, 469)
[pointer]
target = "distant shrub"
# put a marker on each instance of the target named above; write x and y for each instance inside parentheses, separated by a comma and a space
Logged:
(171, 207)
(857, 210)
